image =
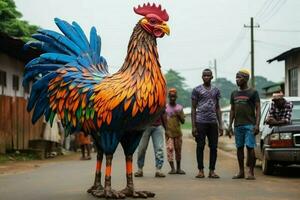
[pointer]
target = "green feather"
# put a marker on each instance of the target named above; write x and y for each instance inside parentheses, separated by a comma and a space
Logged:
(88, 113)
(52, 115)
(92, 114)
(79, 112)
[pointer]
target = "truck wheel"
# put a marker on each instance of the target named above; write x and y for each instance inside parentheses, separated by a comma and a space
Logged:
(267, 165)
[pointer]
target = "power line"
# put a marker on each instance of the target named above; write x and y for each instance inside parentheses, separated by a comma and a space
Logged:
(275, 11)
(246, 59)
(273, 4)
(272, 44)
(234, 45)
(264, 7)
(280, 30)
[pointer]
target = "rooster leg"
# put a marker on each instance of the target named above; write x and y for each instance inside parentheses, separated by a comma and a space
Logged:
(129, 190)
(108, 192)
(129, 144)
(97, 187)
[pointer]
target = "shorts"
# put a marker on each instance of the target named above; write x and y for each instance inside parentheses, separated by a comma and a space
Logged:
(244, 135)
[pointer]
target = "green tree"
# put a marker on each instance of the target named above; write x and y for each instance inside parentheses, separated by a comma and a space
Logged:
(226, 87)
(174, 80)
(261, 82)
(11, 24)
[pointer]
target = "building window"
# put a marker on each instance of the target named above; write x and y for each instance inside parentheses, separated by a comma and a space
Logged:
(2, 78)
(293, 82)
(15, 82)
(26, 88)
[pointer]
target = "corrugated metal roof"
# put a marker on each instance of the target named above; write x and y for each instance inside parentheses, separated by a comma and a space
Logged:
(285, 54)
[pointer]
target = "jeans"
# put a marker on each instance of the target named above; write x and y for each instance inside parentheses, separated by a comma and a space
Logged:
(209, 130)
(157, 134)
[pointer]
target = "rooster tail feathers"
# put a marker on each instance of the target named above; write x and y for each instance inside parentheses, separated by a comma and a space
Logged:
(69, 57)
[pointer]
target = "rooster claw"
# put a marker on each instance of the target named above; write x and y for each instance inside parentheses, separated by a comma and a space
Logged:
(108, 194)
(128, 192)
(95, 188)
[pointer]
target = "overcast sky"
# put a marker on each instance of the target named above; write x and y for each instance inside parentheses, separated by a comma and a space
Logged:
(201, 30)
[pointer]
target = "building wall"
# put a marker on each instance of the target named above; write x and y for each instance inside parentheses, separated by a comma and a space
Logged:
(12, 67)
(292, 62)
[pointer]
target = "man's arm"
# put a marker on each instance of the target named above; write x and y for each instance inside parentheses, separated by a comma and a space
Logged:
(164, 120)
(219, 117)
(231, 115)
(231, 118)
(180, 116)
(257, 115)
(193, 116)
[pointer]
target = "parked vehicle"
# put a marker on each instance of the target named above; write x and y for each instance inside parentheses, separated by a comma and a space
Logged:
(278, 144)
(225, 119)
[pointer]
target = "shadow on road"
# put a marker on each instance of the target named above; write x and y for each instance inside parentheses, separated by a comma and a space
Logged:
(287, 172)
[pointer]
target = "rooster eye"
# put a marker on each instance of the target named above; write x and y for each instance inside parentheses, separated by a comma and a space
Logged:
(152, 21)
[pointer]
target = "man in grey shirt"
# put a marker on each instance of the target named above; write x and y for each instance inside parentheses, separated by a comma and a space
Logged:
(206, 120)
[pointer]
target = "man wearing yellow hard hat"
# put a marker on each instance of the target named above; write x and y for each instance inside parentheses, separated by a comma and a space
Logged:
(245, 113)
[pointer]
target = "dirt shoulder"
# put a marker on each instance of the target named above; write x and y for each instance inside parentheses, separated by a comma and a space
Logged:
(14, 167)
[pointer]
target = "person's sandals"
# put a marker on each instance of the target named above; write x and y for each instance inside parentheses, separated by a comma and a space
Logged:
(172, 171)
(250, 177)
(138, 174)
(88, 158)
(200, 175)
(213, 175)
(160, 175)
(238, 176)
(180, 171)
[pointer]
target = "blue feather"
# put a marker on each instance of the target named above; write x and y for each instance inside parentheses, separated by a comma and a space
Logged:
(56, 47)
(85, 60)
(42, 103)
(93, 39)
(37, 87)
(56, 57)
(35, 61)
(63, 40)
(39, 45)
(81, 33)
(69, 31)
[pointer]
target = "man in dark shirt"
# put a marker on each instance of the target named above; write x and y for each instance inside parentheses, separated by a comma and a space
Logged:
(280, 112)
(245, 112)
(206, 121)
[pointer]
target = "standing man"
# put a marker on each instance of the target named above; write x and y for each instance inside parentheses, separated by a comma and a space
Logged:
(156, 132)
(245, 112)
(175, 117)
(206, 120)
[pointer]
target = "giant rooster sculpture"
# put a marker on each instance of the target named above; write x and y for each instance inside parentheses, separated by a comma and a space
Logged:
(71, 80)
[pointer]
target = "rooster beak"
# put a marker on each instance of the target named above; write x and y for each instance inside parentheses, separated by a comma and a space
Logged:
(165, 28)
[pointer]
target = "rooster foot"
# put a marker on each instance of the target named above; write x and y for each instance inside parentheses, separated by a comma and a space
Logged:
(108, 194)
(95, 188)
(129, 192)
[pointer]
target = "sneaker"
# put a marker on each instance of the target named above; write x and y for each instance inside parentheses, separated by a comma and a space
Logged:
(160, 175)
(138, 174)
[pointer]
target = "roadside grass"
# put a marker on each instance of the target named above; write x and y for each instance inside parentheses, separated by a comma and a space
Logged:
(17, 156)
(187, 125)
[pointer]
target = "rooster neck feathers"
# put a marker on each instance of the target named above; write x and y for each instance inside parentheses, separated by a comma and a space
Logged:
(138, 86)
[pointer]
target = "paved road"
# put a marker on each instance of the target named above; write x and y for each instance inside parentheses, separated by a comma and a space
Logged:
(68, 180)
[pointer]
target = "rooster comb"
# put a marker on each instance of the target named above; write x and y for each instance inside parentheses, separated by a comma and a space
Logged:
(152, 9)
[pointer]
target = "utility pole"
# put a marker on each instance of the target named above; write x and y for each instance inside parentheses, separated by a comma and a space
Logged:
(252, 49)
(215, 68)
